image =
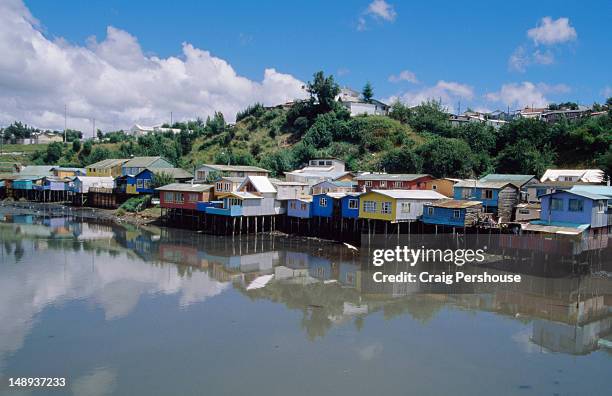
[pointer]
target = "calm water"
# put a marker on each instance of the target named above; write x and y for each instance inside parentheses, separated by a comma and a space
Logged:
(119, 310)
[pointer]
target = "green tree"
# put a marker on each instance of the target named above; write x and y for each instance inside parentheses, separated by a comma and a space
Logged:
(161, 179)
(524, 158)
(368, 92)
(323, 91)
(76, 145)
(446, 157)
(401, 160)
(54, 153)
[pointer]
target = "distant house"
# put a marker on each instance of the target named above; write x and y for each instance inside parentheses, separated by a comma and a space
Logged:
(594, 176)
(319, 170)
(36, 171)
(396, 205)
(572, 208)
(47, 138)
(390, 181)
(357, 106)
(106, 168)
(289, 190)
(183, 195)
(68, 172)
(256, 196)
(444, 186)
(137, 164)
(140, 130)
(82, 184)
(204, 171)
(300, 207)
(336, 205)
(527, 184)
(451, 212)
(141, 183)
(55, 183)
(333, 186)
(227, 184)
(527, 212)
(497, 197)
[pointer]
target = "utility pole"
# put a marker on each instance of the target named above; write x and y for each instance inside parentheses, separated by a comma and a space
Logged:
(94, 129)
(170, 119)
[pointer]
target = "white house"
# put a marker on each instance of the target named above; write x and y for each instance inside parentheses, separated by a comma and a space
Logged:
(595, 176)
(319, 170)
(82, 184)
(141, 130)
(352, 100)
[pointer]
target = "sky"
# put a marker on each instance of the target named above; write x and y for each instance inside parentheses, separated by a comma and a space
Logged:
(127, 62)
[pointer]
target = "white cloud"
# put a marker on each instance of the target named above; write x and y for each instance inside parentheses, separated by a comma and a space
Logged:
(404, 75)
(114, 82)
(447, 92)
(520, 59)
(378, 9)
(526, 94)
(606, 92)
(382, 9)
(551, 31)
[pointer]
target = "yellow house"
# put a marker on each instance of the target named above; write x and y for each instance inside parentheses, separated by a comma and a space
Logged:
(444, 186)
(396, 205)
(106, 168)
(68, 172)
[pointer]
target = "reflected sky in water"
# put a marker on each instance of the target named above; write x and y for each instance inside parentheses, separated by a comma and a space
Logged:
(122, 310)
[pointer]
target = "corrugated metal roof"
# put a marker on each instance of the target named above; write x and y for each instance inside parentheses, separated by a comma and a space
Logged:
(483, 184)
(391, 176)
(580, 193)
(456, 204)
(585, 175)
(235, 168)
(600, 190)
(176, 173)
(36, 170)
(509, 178)
(185, 187)
(108, 163)
(261, 183)
(141, 162)
(411, 194)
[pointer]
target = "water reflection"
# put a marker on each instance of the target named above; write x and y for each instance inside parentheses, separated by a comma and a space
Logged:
(52, 262)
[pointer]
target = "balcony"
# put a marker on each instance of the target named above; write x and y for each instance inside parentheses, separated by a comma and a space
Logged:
(234, 210)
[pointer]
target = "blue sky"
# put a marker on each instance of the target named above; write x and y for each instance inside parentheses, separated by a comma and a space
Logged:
(452, 50)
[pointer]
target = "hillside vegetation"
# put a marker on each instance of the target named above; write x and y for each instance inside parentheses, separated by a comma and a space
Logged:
(419, 139)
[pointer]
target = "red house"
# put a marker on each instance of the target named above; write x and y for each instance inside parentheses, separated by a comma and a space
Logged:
(183, 195)
(384, 181)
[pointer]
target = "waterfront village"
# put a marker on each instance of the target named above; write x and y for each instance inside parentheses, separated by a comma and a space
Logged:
(324, 199)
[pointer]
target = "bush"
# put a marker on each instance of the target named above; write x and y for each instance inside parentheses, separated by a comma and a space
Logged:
(136, 204)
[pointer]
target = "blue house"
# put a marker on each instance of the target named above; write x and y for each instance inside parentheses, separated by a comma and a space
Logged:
(350, 206)
(451, 212)
(497, 197)
(300, 207)
(573, 208)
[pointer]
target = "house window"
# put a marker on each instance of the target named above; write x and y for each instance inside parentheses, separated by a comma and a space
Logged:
(303, 206)
(576, 205)
(434, 187)
(385, 208)
(235, 202)
(369, 206)
(178, 198)
(193, 197)
(328, 163)
(397, 184)
(488, 194)
(456, 214)
(292, 205)
(466, 193)
(524, 211)
(353, 204)
(227, 187)
(321, 163)
(219, 186)
(323, 202)
(139, 183)
(601, 208)
(350, 278)
(168, 197)
(556, 204)
(382, 184)
(147, 184)
(368, 183)
(430, 211)
(405, 207)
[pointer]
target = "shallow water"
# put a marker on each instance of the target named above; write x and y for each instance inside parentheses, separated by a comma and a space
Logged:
(120, 310)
